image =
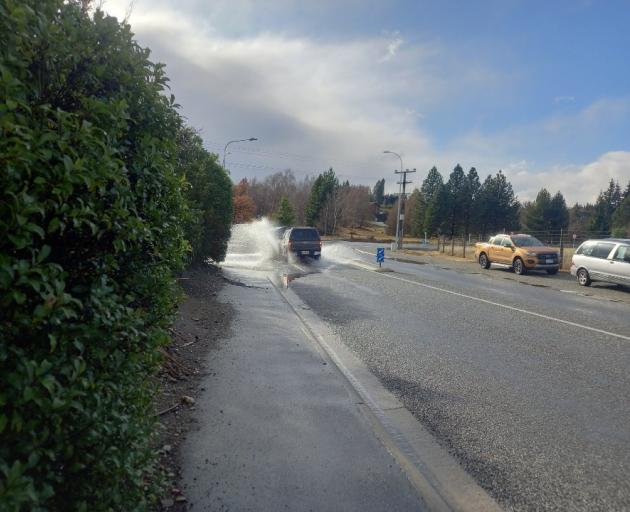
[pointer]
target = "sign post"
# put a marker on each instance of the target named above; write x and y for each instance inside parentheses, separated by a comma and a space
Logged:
(380, 255)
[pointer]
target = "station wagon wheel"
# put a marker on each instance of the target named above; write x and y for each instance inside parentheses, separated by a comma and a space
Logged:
(483, 260)
(519, 267)
(583, 278)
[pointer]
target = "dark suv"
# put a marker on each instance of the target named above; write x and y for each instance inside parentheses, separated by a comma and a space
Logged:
(302, 242)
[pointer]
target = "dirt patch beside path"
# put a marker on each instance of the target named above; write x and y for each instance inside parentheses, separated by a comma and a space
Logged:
(200, 325)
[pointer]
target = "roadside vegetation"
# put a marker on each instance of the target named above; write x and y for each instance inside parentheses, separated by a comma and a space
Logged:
(460, 207)
(105, 196)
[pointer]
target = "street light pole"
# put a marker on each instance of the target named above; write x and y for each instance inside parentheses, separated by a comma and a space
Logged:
(398, 244)
(251, 139)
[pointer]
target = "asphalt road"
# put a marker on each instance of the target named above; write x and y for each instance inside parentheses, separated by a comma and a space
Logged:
(524, 380)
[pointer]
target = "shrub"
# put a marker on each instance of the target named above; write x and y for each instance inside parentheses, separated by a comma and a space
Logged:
(91, 233)
(208, 195)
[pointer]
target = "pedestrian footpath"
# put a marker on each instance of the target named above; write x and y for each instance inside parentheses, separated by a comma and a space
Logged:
(278, 427)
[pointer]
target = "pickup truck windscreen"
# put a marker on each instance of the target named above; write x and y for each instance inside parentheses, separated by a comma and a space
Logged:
(527, 241)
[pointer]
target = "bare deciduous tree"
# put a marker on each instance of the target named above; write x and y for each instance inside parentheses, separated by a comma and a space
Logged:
(331, 212)
(268, 192)
(356, 210)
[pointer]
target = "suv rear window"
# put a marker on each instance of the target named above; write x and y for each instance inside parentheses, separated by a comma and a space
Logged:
(586, 248)
(304, 234)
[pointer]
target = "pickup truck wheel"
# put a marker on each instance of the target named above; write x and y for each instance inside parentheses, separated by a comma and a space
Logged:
(519, 267)
(552, 271)
(583, 278)
(484, 261)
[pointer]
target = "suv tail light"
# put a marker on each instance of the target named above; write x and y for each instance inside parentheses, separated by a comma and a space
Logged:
(290, 245)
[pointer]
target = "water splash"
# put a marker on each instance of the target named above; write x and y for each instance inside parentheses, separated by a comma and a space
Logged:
(333, 252)
(253, 246)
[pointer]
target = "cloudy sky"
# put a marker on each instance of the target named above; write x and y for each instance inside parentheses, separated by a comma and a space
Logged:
(538, 89)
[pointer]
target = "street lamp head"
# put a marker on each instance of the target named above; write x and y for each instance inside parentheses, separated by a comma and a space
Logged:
(387, 151)
(251, 139)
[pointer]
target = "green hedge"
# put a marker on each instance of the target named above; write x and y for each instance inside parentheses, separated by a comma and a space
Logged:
(209, 197)
(93, 208)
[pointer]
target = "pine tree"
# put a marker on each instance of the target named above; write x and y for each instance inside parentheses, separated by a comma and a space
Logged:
(432, 184)
(471, 216)
(435, 212)
(621, 219)
(455, 199)
(558, 213)
(315, 202)
(323, 187)
(416, 213)
(285, 216)
(435, 198)
(537, 213)
(607, 202)
(379, 191)
(580, 217)
(498, 206)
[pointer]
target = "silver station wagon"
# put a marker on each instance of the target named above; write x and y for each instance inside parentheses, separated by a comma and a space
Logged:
(602, 260)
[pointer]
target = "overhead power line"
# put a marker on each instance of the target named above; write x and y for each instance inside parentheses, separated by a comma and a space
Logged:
(295, 170)
(213, 145)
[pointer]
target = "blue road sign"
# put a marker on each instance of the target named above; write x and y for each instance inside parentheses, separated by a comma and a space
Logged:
(380, 254)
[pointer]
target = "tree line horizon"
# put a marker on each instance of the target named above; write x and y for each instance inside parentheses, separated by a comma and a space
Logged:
(460, 205)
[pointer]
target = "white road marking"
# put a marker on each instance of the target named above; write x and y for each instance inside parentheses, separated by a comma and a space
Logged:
(511, 308)
(365, 252)
(299, 267)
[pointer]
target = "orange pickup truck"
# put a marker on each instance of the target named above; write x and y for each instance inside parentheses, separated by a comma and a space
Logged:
(520, 252)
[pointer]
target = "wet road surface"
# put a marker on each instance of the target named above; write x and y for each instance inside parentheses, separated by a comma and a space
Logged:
(524, 381)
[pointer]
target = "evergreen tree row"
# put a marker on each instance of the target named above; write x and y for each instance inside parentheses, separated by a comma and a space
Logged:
(463, 205)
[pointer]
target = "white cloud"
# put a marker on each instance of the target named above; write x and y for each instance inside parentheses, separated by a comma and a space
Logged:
(319, 102)
(339, 100)
(392, 48)
(599, 114)
(578, 183)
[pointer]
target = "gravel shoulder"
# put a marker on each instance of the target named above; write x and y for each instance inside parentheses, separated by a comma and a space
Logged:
(202, 321)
